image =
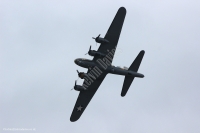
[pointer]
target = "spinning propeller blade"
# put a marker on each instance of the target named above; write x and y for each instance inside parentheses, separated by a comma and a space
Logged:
(74, 85)
(89, 50)
(96, 37)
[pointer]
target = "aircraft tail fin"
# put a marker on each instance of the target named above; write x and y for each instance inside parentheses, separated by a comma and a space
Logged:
(136, 63)
(134, 67)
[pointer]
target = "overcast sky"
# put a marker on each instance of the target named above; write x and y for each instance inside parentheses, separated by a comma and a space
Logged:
(39, 41)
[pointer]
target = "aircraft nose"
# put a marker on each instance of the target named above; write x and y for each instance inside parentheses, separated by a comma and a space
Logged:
(75, 61)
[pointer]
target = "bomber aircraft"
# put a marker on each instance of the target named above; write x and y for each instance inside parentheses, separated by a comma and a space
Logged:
(101, 65)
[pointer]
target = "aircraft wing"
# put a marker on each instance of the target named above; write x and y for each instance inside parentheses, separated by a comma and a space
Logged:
(112, 35)
(85, 97)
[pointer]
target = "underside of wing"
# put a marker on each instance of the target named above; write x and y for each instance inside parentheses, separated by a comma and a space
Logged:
(112, 36)
(85, 97)
(106, 50)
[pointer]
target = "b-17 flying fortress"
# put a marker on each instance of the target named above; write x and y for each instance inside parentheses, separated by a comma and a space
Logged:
(101, 65)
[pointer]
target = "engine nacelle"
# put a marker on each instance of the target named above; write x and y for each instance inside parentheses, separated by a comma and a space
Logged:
(79, 88)
(101, 40)
(95, 53)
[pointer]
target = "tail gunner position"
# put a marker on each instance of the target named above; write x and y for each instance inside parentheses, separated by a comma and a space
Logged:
(101, 65)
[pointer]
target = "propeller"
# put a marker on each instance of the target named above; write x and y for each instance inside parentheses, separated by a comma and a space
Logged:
(96, 38)
(75, 80)
(88, 51)
(77, 71)
(78, 74)
(74, 85)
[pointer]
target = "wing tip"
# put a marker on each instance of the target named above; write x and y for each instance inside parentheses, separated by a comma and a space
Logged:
(73, 120)
(122, 8)
(123, 94)
(142, 51)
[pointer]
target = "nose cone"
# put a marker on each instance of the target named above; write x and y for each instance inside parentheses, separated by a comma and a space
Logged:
(75, 61)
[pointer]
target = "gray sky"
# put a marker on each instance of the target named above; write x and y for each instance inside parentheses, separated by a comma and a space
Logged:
(40, 40)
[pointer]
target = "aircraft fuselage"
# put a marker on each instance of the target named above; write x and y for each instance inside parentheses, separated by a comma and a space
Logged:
(102, 66)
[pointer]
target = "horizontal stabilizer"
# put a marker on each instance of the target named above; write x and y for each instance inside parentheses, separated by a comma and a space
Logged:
(136, 63)
(127, 83)
(134, 67)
